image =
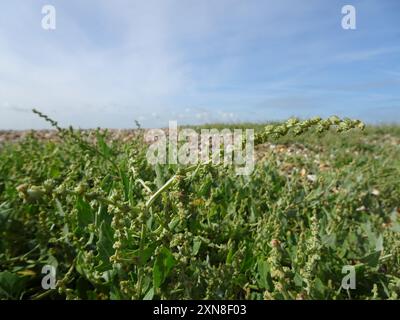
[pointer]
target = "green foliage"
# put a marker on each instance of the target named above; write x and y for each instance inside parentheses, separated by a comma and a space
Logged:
(117, 228)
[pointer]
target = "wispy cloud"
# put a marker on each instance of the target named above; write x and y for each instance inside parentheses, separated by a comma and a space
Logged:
(363, 55)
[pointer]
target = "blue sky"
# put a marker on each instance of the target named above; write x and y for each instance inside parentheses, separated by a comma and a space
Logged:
(111, 62)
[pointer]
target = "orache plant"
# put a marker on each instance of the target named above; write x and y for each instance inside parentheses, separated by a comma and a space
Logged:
(116, 227)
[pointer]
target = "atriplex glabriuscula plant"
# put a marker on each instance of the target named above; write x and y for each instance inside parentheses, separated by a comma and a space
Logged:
(292, 125)
(128, 217)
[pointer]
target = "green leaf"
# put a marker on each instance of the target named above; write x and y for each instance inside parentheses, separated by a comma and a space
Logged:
(298, 280)
(60, 210)
(372, 259)
(263, 274)
(319, 288)
(81, 266)
(385, 288)
(149, 295)
(140, 257)
(163, 264)
(173, 223)
(55, 172)
(11, 285)
(329, 240)
(196, 245)
(379, 243)
(229, 256)
(104, 148)
(105, 247)
(85, 213)
(147, 253)
(126, 184)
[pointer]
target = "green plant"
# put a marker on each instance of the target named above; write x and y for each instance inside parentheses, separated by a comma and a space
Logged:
(117, 228)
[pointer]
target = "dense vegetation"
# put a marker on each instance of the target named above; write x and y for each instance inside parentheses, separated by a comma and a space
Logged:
(116, 227)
